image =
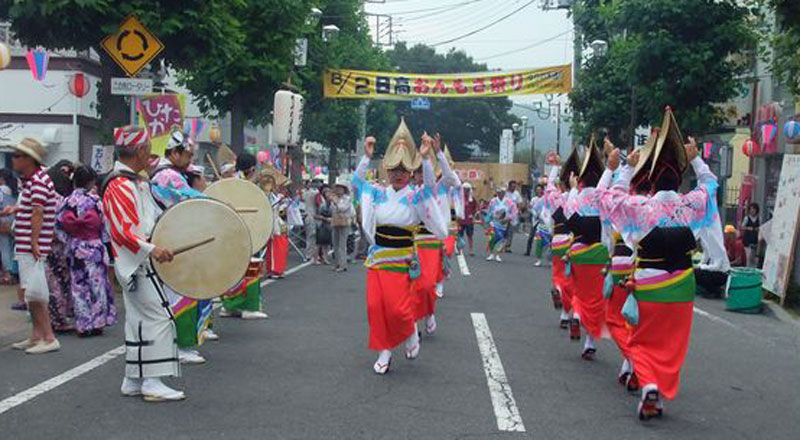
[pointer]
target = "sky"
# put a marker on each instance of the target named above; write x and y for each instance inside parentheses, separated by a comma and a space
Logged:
(529, 37)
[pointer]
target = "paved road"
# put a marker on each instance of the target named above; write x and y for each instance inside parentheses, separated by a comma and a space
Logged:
(305, 374)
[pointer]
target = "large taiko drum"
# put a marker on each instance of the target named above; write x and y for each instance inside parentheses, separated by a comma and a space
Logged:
(211, 244)
(250, 203)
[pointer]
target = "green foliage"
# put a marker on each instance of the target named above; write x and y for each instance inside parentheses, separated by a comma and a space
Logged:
(336, 123)
(189, 29)
(689, 54)
(780, 35)
(461, 122)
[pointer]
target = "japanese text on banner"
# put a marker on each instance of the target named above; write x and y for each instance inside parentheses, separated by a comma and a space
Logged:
(353, 84)
(160, 114)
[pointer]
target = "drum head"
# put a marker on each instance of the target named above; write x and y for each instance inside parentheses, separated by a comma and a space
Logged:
(213, 268)
(251, 204)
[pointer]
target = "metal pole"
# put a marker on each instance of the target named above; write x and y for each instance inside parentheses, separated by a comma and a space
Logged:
(558, 128)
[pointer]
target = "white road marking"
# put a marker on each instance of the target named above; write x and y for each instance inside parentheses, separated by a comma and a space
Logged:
(725, 322)
(37, 390)
(80, 370)
(462, 264)
(505, 407)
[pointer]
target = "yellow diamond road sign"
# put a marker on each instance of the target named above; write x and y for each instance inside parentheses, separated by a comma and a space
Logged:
(133, 46)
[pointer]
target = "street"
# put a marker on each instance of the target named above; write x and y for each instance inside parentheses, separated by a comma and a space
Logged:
(305, 373)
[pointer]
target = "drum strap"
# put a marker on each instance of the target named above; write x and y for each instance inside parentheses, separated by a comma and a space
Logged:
(117, 174)
(122, 174)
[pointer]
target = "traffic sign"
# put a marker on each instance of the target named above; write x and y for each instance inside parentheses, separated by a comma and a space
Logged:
(133, 46)
(421, 104)
(131, 86)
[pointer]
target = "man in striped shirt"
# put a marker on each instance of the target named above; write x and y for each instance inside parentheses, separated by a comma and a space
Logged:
(33, 233)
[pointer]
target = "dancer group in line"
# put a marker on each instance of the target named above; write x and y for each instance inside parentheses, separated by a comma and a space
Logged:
(621, 239)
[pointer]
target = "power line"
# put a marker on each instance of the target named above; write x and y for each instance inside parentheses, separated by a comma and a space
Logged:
(436, 8)
(521, 49)
(483, 28)
(433, 30)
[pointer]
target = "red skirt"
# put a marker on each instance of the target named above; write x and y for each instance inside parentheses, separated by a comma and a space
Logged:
(619, 328)
(390, 309)
(658, 345)
(588, 300)
(450, 245)
(562, 283)
(277, 253)
(424, 287)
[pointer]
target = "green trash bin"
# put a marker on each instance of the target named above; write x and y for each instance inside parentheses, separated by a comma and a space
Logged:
(744, 290)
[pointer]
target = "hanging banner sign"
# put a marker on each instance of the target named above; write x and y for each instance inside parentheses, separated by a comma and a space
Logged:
(353, 84)
(161, 114)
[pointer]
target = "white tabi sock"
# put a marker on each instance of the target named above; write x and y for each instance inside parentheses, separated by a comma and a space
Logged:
(589, 342)
(384, 357)
(564, 315)
(626, 367)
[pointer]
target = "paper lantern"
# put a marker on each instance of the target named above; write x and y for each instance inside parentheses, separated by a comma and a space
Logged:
(79, 85)
(5, 55)
(751, 148)
(792, 130)
(262, 156)
(214, 133)
(37, 62)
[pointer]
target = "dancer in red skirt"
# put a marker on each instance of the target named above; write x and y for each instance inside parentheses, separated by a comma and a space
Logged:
(663, 227)
(588, 255)
(450, 200)
(554, 199)
(272, 182)
(389, 217)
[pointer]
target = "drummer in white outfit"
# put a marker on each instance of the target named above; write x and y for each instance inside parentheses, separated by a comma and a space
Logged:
(130, 213)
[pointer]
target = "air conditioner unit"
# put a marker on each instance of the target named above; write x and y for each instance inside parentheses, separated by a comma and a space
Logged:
(565, 4)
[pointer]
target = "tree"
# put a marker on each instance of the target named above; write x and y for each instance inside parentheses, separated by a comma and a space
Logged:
(689, 54)
(245, 79)
(190, 29)
(337, 123)
(782, 38)
(462, 122)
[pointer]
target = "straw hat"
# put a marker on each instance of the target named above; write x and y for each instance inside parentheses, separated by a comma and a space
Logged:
(570, 166)
(669, 146)
(400, 154)
(32, 148)
(592, 162)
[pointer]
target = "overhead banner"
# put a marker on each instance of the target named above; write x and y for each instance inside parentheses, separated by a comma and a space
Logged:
(354, 84)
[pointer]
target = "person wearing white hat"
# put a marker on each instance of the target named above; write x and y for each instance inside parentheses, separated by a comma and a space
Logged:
(34, 228)
(171, 186)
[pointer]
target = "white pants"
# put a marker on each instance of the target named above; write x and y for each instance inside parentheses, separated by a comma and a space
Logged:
(150, 335)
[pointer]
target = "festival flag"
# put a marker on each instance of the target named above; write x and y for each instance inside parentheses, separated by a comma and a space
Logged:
(37, 62)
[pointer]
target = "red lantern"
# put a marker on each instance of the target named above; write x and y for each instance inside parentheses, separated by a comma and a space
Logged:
(79, 85)
(751, 148)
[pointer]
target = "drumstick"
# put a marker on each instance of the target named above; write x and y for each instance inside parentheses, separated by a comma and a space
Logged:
(188, 247)
(213, 166)
(246, 210)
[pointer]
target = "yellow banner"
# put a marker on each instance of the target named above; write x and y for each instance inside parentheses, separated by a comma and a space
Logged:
(354, 84)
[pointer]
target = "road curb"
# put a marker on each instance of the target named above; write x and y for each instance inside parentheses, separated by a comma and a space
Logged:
(782, 314)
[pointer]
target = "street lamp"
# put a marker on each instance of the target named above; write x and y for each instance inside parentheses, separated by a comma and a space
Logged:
(329, 32)
(313, 17)
(599, 48)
